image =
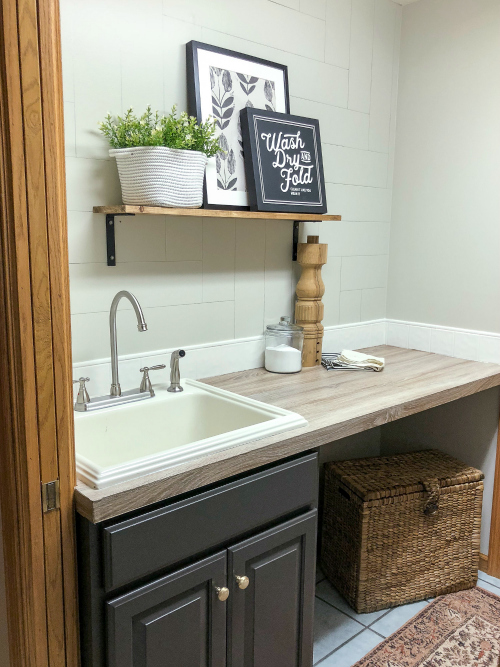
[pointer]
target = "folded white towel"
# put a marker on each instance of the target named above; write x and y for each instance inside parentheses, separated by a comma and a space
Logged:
(362, 360)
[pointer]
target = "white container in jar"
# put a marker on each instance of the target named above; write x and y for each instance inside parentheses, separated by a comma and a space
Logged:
(284, 343)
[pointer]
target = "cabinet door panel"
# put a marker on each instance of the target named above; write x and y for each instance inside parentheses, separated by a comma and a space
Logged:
(176, 621)
(271, 621)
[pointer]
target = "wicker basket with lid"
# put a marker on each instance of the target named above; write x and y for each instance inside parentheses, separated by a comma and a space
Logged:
(397, 529)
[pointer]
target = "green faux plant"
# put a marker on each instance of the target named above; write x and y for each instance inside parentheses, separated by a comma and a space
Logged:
(151, 129)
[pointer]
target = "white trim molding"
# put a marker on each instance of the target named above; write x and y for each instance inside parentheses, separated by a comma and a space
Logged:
(229, 356)
(450, 341)
(242, 354)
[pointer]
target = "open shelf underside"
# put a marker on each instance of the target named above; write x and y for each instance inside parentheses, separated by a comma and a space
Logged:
(125, 209)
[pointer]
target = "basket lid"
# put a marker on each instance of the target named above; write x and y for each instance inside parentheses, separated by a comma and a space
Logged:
(386, 476)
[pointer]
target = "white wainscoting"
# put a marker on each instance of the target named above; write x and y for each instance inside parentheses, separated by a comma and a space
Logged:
(241, 354)
(450, 341)
(210, 359)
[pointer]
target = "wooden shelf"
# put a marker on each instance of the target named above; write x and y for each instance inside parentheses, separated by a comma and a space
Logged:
(124, 209)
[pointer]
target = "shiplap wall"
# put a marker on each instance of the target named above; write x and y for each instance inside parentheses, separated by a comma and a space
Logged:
(202, 281)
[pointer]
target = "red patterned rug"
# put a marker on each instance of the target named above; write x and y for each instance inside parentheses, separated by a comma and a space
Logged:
(457, 630)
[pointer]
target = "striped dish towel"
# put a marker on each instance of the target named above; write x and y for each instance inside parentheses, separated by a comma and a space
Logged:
(348, 360)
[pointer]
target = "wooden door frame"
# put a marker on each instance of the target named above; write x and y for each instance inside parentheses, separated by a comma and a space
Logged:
(36, 418)
(492, 564)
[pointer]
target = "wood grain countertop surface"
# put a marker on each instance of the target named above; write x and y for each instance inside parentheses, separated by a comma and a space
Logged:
(335, 403)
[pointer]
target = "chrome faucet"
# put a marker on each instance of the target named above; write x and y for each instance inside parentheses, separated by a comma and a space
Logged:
(175, 375)
(141, 326)
(116, 397)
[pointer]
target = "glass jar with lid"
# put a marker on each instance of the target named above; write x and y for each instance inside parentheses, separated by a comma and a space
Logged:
(284, 342)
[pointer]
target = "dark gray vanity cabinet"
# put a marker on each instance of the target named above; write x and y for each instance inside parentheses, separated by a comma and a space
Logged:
(270, 622)
(224, 577)
(176, 620)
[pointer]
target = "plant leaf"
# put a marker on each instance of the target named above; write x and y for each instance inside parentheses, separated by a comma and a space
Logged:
(216, 112)
(228, 113)
(219, 185)
(215, 101)
(224, 124)
(269, 108)
(252, 88)
(229, 101)
(244, 88)
(242, 77)
(231, 183)
(253, 79)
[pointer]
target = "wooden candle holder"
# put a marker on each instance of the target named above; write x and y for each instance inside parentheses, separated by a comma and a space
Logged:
(309, 308)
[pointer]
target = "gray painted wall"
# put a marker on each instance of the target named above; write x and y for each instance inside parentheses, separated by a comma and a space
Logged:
(466, 429)
(444, 265)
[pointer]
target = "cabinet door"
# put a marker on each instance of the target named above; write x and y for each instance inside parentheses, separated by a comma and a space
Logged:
(271, 620)
(175, 621)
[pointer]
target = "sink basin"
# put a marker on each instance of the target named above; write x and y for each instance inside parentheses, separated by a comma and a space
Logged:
(121, 443)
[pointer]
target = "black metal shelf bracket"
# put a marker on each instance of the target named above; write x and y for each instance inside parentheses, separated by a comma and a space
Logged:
(295, 240)
(110, 236)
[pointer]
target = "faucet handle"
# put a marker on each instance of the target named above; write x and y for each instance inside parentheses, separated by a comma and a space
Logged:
(146, 382)
(83, 394)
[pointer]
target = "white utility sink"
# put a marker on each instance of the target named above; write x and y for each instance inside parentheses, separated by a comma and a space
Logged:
(124, 442)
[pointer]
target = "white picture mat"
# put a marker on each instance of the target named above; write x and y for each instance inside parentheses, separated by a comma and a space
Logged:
(210, 58)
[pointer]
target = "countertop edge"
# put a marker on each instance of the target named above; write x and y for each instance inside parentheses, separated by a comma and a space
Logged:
(100, 505)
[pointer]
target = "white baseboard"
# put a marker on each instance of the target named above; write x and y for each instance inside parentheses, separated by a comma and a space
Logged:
(219, 358)
(241, 354)
(450, 341)
(354, 336)
(201, 361)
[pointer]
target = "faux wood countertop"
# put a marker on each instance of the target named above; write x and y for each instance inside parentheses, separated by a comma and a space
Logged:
(335, 403)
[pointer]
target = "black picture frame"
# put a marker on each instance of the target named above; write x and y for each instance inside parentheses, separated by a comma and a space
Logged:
(283, 162)
(197, 106)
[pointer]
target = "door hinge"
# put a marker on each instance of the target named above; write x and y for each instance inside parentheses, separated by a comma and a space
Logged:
(50, 496)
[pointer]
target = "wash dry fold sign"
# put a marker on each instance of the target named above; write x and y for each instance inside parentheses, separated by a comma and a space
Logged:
(283, 162)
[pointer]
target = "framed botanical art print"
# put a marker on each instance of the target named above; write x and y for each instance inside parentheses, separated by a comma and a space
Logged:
(220, 84)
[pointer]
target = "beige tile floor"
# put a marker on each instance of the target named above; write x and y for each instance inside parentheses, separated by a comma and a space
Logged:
(342, 637)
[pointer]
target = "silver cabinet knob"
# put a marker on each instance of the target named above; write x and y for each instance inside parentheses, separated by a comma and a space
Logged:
(222, 593)
(242, 582)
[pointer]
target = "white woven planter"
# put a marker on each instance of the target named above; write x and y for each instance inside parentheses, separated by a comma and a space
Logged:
(160, 176)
